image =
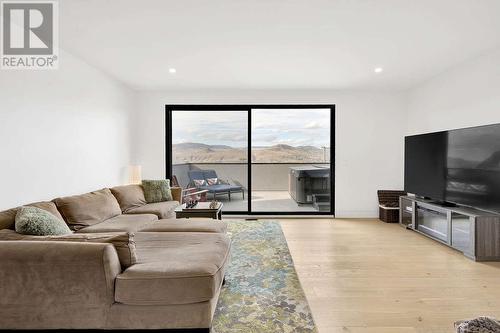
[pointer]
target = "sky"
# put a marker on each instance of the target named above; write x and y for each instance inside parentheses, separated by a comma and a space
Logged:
(294, 127)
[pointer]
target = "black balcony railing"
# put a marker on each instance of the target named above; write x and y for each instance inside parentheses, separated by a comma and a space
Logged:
(252, 163)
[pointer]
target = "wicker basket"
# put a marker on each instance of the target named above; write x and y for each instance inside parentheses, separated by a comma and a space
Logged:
(388, 215)
(389, 205)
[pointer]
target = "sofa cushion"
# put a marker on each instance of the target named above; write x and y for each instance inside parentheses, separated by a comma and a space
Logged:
(8, 217)
(187, 225)
(36, 221)
(129, 223)
(174, 268)
(129, 196)
(84, 210)
(164, 210)
(122, 241)
(157, 190)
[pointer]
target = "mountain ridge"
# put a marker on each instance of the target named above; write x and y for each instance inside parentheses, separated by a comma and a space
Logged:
(194, 152)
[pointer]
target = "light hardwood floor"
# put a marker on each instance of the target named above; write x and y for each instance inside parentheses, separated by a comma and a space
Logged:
(368, 276)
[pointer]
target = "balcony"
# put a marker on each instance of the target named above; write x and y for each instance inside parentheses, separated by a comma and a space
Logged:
(270, 185)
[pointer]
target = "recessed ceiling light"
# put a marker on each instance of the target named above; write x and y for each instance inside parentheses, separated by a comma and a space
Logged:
(172, 70)
(378, 70)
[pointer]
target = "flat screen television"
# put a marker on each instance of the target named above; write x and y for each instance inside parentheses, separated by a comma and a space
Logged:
(459, 166)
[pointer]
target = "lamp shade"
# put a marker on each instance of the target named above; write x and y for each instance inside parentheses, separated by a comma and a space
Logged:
(134, 174)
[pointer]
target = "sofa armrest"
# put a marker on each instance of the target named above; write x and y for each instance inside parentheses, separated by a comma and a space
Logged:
(50, 284)
(176, 194)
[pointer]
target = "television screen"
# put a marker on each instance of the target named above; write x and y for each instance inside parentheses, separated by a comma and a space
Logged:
(459, 166)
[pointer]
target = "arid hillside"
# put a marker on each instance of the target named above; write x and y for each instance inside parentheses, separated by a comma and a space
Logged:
(202, 153)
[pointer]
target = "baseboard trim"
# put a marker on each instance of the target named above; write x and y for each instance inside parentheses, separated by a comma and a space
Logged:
(166, 330)
(357, 214)
(257, 217)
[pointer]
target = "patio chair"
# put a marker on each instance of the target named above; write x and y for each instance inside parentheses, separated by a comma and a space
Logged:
(190, 193)
(208, 180)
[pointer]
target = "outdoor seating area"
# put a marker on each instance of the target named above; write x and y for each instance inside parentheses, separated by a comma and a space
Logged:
(270, 187)
(208, 180)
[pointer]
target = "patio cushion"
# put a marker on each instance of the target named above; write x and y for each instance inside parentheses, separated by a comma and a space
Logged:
(221, 188)
(163, 210)
(209, 174)
(174, 268)
(199, 182)
(187, 225)
(196, 174)
(129, 223)
(212, 181)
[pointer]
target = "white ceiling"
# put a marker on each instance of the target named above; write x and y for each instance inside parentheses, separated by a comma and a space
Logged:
(277, 44)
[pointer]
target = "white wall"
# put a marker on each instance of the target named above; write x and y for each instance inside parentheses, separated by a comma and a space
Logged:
(62, 132)
(369, 132)
(75, 129)
(466, 95)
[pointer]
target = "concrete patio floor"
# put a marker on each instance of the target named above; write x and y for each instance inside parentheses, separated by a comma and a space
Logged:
(264, 201)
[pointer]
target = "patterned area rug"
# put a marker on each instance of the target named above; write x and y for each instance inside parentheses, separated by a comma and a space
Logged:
(262, 291)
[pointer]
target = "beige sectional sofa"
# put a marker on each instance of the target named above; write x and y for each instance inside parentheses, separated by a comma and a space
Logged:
(174, 282)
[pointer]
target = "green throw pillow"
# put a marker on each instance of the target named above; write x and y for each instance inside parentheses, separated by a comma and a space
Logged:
(157, 190)
(39, 222)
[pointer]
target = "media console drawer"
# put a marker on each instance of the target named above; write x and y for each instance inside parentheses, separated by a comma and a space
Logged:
(433, 223)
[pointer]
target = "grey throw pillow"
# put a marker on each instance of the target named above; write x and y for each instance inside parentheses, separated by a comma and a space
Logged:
(157, 190)
(39, 222)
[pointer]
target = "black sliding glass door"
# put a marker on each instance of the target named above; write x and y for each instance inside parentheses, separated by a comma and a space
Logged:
(255, 159)
(209, 152)
(290, 160)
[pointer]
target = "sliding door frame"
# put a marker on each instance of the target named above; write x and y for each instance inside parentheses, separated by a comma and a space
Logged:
(248, 108)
